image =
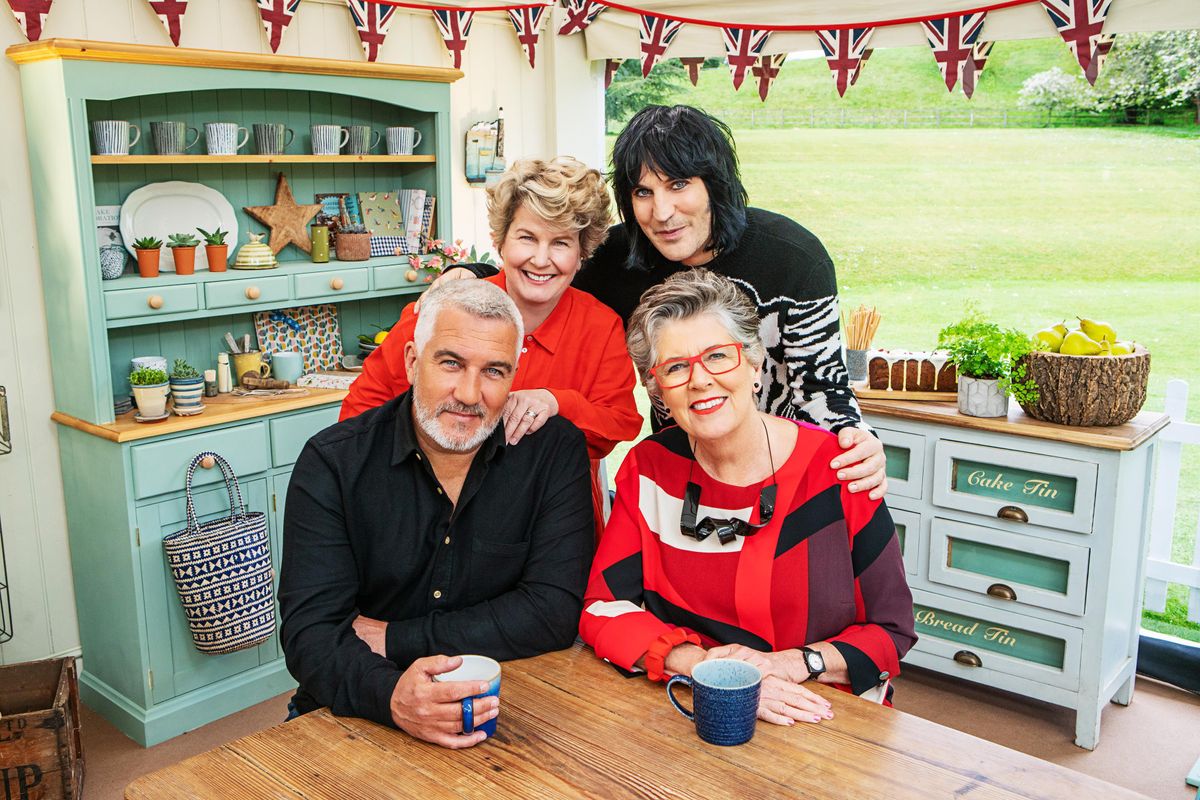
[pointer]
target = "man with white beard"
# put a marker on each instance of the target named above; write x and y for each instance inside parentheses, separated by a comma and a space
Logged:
(414, 534)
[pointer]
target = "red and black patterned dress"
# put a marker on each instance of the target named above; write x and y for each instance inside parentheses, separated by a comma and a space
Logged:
(826, 568)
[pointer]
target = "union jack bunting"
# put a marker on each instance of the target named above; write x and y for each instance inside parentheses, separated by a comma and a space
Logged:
(580, 14)
(953, 39)
(29, 14)
(656, 35)
(972, 69)
(528, 22)
(766, 71)
(1079, 22)
(276, 14)
(455, 27)
(693, 67)
(1103, 45)
(845, 50)
(858, 70)
(742, 49)
(611, 65)
(171, 14)
(372, 20)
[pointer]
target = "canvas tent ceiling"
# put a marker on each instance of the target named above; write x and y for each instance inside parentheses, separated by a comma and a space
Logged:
(614, 34)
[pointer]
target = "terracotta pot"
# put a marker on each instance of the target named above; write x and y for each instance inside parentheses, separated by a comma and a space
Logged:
(218, 257)
(185, 260)
(148, 263)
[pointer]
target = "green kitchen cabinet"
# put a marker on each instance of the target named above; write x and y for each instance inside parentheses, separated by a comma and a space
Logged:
(123, 483)
(1024, 545)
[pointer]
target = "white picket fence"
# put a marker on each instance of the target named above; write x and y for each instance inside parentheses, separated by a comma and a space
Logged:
(1160, 569)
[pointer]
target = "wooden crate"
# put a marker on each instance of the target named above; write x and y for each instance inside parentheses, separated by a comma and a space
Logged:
(40, 751)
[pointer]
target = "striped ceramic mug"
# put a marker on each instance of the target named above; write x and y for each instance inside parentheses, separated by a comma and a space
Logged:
(272, 138)
(112, 136)
(222, 138)
(327, 140)
(171, 138)
(362, 139)
(402, 141)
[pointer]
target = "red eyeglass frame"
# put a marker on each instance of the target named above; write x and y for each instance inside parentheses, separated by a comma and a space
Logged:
(692, 361)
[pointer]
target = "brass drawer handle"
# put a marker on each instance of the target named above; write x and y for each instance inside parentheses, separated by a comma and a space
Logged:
(336, 284)
(1001, 592)
(253, 293)
(1012, 514)
(967, 658)
(155, 301)
(208, 462)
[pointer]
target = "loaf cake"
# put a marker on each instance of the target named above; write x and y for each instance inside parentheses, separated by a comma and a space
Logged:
(903, 371)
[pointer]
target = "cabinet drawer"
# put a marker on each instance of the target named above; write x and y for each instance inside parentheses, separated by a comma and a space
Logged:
(908, 531)
(1015, 485)
(161, 467)
(150, 302)
(332, 282)
(905, 454)
(395, 277)
(972, 637)
(289, 434)
(226, 294)
(1007, 567)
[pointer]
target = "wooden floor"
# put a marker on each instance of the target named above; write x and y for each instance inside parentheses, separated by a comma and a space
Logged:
(1148, 746)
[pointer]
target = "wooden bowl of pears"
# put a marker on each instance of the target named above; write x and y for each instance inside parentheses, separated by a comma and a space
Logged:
(1087, 376)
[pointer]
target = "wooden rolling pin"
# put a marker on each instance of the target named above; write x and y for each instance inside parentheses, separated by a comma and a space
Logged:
(252, 380)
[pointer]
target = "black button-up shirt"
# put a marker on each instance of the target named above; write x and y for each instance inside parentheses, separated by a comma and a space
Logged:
(369, 530)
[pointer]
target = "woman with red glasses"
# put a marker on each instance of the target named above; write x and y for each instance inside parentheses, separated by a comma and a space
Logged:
(731, 535)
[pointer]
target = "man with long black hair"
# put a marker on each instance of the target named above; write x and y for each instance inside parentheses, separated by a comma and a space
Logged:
(682, 203)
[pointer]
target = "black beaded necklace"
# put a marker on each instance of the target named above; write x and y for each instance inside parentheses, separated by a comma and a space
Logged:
(726, 529)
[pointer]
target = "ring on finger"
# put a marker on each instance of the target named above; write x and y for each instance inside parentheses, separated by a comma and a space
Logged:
(531, 413)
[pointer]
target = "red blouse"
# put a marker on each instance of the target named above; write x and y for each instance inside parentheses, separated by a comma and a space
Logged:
(826, 568)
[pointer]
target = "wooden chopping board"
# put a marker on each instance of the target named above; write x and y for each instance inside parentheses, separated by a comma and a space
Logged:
(861, 389)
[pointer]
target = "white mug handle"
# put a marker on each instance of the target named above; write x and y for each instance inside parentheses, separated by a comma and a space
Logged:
(137, 134)
(416, 139)
(345, 138)
(245, 138)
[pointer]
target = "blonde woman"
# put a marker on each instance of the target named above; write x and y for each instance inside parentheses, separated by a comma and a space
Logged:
(546, 218)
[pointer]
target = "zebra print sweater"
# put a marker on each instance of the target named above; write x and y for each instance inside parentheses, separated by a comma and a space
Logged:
(790, 278)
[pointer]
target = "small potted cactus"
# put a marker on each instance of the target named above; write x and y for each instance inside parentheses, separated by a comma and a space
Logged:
(148, 249)
(149, 392)
(187, 387)
(215, 249)
(353, 242)
(183, 250)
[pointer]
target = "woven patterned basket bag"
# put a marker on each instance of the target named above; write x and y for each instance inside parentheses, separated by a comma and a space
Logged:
(222, 570)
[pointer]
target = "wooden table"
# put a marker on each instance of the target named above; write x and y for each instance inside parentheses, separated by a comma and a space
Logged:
(570, 726)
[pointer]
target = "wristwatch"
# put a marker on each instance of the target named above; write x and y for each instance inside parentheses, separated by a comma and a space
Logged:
(814, 661)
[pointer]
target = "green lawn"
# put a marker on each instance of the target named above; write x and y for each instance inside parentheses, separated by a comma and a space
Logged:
(1034, 225)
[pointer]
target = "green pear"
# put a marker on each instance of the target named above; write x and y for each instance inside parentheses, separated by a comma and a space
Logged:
(1078, 343)
(1060, 329)
(1100, 331)
(1051, 338)
(1122, 348)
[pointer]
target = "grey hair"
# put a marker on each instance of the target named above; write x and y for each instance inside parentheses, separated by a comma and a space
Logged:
(687, 294)
(478, 298)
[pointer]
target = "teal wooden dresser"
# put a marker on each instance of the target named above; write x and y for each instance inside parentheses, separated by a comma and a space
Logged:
(123, 482)
(1024, 544)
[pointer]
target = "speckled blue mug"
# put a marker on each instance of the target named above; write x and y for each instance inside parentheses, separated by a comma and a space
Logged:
(481, 669)
(725, 697)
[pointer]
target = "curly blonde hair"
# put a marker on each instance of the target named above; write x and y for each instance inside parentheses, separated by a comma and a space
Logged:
(564, 192)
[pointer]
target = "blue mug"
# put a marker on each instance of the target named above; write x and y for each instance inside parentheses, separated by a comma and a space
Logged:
(725, 698)
(476, 669)
(287, 365)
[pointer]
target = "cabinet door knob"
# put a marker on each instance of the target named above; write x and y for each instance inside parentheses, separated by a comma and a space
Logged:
(155, 301)
(968, 659)
(411, 276)
(1012, 514)
(336, 284)
(253, 293)
(1001, 592)
(208, 462)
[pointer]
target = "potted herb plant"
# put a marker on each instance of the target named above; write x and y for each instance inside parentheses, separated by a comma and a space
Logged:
(147, 255)
(990, 365)
(149, 392)
(215, 249)
(183, 250)
(187, 387)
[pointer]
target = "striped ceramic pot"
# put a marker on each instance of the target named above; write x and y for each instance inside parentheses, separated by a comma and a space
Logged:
(187, 394)
(112, 136)
(222, 139)
(327, 140)
(272, 138)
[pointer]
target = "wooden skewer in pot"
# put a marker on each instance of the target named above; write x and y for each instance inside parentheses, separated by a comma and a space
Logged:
(860, 327)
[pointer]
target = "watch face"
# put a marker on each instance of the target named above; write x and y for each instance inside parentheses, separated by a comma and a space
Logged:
(814, 661)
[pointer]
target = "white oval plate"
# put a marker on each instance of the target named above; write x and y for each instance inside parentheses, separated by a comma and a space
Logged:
(160, 209)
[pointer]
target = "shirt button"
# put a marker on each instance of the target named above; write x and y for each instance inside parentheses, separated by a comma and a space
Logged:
(437, 593)
(439, 490)
(418, 456)
(524, 349)
(529, 338)
(447, 540)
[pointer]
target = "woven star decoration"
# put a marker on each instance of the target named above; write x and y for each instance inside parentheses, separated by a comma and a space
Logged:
(287, 220)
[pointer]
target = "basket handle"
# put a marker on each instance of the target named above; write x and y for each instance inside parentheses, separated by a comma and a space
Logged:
(237, 509)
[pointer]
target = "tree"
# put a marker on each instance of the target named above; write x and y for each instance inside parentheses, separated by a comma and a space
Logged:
(629, 92)
(1156, 70)
(1055, 91)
